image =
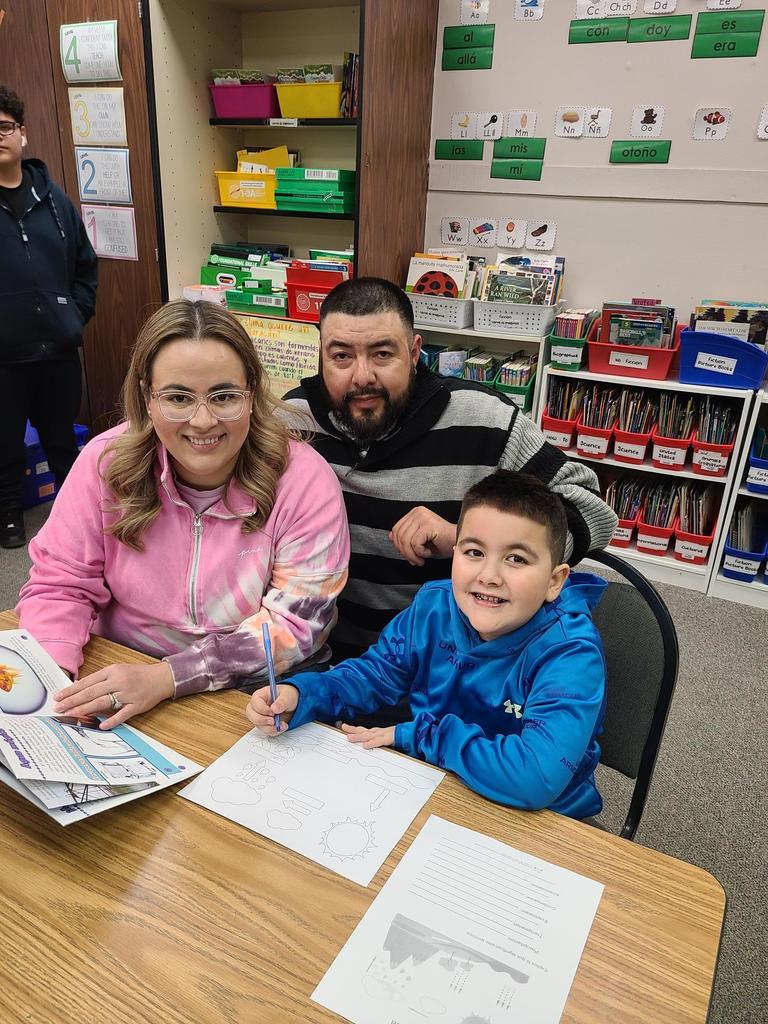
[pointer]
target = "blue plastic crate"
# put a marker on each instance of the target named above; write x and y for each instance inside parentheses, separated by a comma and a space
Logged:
(758, 471)
(39, 481)
(721, 361)
(742, 565)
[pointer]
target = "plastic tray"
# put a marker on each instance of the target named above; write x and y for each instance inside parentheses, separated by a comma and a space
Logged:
(441, 311)
(757, 475)
(522, 396)
(631, 360)
(654, 540)
(692, 547)
(329, 202)
(741, 565)
(669, 452)
(559, 433)
(630, 447)
(315, 179)
(710, 459)
(722, 361)
(593, 442)
(568, 353)
(245, 101)
(307, 289)
(514, 318)
(239, 188)
(309, 99)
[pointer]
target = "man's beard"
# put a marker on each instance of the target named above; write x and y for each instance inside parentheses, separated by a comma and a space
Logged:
(370, 425)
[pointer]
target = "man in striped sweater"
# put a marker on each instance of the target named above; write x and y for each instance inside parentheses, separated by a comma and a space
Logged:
(406, 445)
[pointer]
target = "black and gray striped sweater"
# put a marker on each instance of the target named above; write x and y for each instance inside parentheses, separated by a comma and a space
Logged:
(453, 434)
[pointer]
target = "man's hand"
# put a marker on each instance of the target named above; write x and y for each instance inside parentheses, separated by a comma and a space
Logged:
(370, 738)
(137, 687)
(261, 713)
(422, 534)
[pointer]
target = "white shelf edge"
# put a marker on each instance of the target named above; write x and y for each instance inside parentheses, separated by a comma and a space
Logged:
(753, 594)
(752, 494)
(470, 332)
(665, 559)
(647, 382)
(645, 467)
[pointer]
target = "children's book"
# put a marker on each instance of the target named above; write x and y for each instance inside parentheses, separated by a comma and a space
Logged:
(434, 276)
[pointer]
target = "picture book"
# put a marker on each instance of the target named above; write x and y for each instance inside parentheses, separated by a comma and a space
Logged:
(434, 276)
(748, 322)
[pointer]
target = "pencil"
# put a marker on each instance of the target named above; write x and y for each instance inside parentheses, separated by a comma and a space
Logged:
(270, 670)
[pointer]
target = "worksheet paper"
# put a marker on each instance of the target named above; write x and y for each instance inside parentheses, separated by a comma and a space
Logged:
(467, 930)
(318, 794)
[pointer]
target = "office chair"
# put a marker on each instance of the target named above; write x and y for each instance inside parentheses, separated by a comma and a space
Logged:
(641, 657)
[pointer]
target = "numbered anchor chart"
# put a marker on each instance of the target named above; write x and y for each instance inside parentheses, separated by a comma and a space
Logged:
(103, 175)
(318, 794)
(98, 117)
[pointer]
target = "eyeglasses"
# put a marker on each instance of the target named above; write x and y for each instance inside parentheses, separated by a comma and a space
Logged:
(8, 127)
(181, 406)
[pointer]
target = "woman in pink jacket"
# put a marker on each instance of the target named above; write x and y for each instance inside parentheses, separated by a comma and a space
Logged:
(180, 532)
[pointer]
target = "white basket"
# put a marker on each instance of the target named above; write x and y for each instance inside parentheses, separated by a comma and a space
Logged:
(515, 318)
(440, 311)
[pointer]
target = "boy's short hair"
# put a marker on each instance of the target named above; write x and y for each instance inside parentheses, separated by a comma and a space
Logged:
(523, 495)
(365, 295)
(11, 104)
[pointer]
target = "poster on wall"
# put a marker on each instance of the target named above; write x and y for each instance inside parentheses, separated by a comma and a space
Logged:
(288, 351)
(103, 175)
(89, 52)
(112, 231)
(98, 117)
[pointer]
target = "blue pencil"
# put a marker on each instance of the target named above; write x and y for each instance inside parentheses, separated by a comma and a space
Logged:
(271, 670)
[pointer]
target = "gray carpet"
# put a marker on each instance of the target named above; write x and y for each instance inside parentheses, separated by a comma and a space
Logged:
(707, 804)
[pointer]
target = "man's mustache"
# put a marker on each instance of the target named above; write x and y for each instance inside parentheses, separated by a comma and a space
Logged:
(365, 393)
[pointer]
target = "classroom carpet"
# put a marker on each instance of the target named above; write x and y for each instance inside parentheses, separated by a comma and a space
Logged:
(707, 803)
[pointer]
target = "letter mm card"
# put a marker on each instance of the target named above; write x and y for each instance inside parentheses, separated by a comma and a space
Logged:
(521, 124)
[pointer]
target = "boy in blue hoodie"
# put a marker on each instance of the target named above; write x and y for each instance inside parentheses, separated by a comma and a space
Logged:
(503, 666)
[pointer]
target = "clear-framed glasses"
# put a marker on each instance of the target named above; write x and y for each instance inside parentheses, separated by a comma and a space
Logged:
(181, 406)
(8, 127)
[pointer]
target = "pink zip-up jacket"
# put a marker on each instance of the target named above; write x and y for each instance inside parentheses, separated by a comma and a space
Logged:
(198, 593)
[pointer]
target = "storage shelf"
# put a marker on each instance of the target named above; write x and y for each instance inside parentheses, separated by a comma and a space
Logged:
(752, 494)
(666, 559)
(644, 467)
(645, 382)
(302, 122)
(304, 214)
(754, 594)
(470, 332)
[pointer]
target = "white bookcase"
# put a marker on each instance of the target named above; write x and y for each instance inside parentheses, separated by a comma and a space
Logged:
(664, 568)
(755, 593)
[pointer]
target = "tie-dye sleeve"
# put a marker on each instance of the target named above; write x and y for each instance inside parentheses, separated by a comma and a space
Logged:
(309, 570)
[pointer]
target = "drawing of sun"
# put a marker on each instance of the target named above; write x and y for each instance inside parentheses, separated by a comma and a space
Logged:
(348, 839)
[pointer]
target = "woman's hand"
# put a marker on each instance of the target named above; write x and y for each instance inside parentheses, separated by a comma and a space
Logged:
(137, 687)
(261, 713)
(370, 738)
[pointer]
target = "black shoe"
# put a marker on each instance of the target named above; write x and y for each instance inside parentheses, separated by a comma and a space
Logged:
(12, 532)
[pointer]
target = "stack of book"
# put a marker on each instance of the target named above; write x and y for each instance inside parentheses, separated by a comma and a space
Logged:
(443, 275)
(678, 415)
(523, 279)
(350, 77)
(626, 496)
(482, 367)
(716, 421)
(599, 407)
(637, 411)
(661, 505)
(574, 323)
(638, 323)
(698, 508)
(518, 369)
(565, 398)
(745, 320)
(745, 532)
(315, 189)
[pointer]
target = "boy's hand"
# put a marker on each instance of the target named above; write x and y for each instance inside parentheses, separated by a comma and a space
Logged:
(422, 534)
(370, 738)
(262, 714)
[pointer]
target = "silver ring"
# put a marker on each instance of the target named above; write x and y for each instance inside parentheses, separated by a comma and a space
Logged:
(115, 702)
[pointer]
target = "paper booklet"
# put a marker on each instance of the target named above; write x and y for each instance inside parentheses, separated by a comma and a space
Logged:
(314, 792)
(68, 766)
(465, 929)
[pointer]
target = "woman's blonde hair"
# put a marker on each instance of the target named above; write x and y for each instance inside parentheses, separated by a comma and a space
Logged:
(262, 459)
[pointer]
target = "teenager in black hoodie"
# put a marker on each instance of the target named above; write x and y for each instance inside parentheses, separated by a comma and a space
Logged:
(48, 277)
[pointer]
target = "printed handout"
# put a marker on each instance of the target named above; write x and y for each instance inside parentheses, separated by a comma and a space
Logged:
(466, 929)
(314, 792)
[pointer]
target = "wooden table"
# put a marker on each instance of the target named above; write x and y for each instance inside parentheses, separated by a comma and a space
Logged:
(163, 912)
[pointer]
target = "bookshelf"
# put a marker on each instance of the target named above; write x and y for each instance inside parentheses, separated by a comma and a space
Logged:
(756, 592)
(387, 144)
(663, 568)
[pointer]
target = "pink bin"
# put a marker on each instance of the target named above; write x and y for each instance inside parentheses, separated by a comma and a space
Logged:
(245, 101)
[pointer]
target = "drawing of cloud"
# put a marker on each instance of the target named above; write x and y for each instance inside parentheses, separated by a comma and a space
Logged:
(233, 791)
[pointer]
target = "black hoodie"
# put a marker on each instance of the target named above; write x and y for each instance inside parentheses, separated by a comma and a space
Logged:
(48, 274)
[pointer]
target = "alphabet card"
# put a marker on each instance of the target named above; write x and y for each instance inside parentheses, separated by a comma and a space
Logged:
(762, 124)
(659, 6)
(454, 231)
(314, 792)
(711, 124)
(598, 122)
(521, 124)
(723, 5)
(474, 12)
(529, 10)
(490, 124)
(464, 125)
(512, 234)
(482, 232)
(647, 121)
(541, 235)
(569, 122)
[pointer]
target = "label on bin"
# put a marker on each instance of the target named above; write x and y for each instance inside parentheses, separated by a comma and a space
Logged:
(626, 450)
(558, 439)
(710, 462)
(567, 354)
(717, 364)
(628, 359)
(646, 542)
(320, 174)
(757, 476)
(588, 444)
(689, 551)
(41, 467)
(669, 456)
(622, 533)
(283, 122)
(748, 566)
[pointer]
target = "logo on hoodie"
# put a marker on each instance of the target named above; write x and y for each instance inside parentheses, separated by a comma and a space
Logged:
(513, 709)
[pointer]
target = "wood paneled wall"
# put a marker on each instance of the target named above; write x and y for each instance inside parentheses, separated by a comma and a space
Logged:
(398, 58)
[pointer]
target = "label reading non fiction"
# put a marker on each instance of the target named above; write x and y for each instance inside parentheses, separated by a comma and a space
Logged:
(636, 362)
(717, 364)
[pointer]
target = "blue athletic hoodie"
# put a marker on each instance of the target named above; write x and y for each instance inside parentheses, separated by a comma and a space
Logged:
(516, 718)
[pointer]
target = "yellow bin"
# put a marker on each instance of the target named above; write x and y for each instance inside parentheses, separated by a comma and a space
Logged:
(241, 188)
(309, 99)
